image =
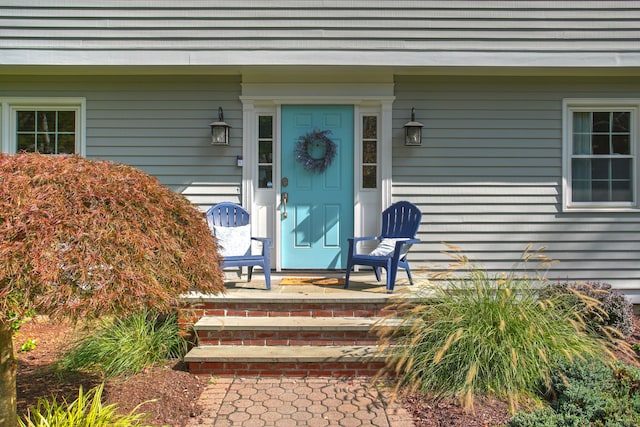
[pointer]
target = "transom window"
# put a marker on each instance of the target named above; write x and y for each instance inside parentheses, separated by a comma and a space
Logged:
(601, 168)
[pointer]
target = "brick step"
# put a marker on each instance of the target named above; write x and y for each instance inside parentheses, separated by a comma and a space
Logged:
(287, 330)
(298, 361)
(294, 334)
(290, 305)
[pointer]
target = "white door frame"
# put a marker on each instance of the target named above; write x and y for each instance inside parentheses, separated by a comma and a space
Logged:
(267, 99)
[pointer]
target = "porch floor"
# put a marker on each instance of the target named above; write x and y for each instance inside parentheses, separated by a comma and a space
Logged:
(361, 285)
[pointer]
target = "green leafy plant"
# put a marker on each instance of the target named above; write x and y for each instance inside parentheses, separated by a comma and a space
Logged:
(86, 411)
(482, 334)
(16, 318)
(28, 345)
(589, 393)
(127, 345)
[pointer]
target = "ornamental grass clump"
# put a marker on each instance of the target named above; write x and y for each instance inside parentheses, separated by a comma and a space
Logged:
(125, 346)
(86, 411)
(482, 334)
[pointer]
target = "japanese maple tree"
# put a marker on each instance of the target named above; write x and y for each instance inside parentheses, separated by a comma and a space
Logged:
(84, 238)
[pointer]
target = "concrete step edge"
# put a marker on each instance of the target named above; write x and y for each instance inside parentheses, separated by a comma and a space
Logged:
(266, 297)
(284, 354)
(294, 323)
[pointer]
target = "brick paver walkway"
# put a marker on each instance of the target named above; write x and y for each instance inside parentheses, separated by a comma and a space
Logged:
(309, 402)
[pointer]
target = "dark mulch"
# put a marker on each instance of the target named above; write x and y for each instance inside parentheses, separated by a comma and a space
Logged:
(169, 391)
(448, 413)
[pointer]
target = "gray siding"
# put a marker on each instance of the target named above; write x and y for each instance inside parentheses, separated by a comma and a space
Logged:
(436, 33)
(158, 124)
(488, 175)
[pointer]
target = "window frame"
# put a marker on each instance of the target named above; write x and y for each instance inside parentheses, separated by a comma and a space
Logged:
(9, 107)
(599, 105)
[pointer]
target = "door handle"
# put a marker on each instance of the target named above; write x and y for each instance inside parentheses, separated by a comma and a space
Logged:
(285, 199)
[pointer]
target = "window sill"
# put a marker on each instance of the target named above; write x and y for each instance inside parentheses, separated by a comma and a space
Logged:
(601, 209)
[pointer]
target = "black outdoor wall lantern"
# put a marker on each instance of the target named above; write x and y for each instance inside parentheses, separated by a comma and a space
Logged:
(219, 130)
(413, 130)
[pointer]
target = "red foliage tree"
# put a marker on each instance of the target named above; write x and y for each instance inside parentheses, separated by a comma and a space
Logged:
(83, 238)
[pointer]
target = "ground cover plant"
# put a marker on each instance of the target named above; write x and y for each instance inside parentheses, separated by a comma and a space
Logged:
(478, 334)
(588, 393)
(84, 238)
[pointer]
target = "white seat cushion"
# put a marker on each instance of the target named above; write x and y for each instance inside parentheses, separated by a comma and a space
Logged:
(233, 241)
(386, 247)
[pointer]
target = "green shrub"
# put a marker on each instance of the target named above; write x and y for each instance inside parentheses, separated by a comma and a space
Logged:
(86, 411)
(612, 310)
(483, 335)
(589, 393)
(127, 345)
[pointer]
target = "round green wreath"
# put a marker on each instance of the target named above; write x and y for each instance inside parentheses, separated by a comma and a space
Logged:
(316, 140)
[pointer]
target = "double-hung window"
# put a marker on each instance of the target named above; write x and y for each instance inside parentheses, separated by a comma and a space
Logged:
(47, 126)
(601, 155)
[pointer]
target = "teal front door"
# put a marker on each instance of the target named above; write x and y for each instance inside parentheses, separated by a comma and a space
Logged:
(317, 183)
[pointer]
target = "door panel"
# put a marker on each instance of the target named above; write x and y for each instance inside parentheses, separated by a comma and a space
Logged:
(320, 204)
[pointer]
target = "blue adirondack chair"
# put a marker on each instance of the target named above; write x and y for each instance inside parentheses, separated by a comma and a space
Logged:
(229, 223)
(400, 223)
